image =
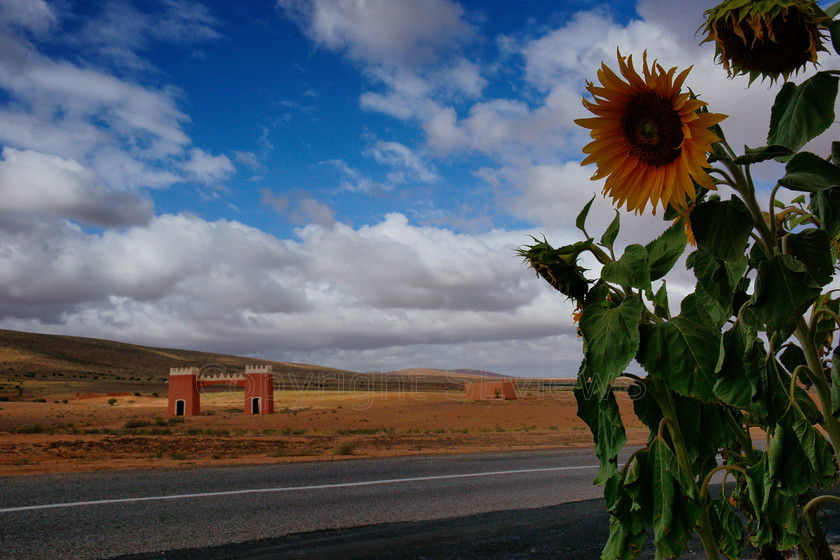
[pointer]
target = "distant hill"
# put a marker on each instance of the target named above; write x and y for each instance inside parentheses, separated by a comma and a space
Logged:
(478, 373)
(46, 356)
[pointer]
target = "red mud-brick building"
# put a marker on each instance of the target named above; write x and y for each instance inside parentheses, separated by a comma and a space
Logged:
(186, 384)
(486, 389)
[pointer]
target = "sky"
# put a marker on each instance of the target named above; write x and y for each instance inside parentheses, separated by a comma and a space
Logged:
(334, 182)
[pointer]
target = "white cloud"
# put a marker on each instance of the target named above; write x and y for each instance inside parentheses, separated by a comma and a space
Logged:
(206, 168)
(33, 15)
(249, 159)
(130, 135)
(36, 183)
(208, 268)
(406, 163)
(80, 140)
(410, 51)
(120, 31)
(381, 31)
(207, 284)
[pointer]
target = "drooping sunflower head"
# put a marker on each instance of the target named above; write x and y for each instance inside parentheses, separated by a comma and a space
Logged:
(559, 267)
(649, 138)
(768, 38)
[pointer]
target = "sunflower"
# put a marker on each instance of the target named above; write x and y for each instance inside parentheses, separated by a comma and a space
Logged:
(769, 38)
(649, 139)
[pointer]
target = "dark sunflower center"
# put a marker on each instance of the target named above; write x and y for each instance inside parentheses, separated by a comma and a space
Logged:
(653, 129)
(787, 53)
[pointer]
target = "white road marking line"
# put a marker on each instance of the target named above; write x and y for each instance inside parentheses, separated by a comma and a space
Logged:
(290, 488)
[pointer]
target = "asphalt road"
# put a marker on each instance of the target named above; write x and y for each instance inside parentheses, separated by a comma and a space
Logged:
(292, 507)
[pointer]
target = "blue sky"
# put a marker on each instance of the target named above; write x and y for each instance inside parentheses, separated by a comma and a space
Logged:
(332, 182)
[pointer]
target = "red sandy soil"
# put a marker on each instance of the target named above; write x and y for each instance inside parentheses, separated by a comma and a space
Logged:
(88, 433)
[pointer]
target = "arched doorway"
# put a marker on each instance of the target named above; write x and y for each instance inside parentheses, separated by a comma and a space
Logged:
(179, 407)
(255, 405)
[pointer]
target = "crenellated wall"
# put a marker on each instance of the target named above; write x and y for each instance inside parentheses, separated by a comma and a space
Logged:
(185, 384)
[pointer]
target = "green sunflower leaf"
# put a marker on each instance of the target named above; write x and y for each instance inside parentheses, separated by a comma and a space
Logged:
(739, 370)
(809, 172)
(611, 336)
(627, 516)
(834, 29)
(627, 536)
(812, 247)
(660, 302)
(783, 292)
(600, 412)
(826, 206)
(728, 528)
(580, 221)
(632, 269)
(722, 227)
(674, 513)
(665, 250)
(835, 383)
(609, 236)
(683, 351)
(775, 521)
(799, 456)
(718, 279)
(802, 112)
(764, 153)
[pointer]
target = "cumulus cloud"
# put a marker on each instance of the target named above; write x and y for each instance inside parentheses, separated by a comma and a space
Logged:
(131, 135)
(180, 262)
(224, 285)
(82, 144)
(36, 183)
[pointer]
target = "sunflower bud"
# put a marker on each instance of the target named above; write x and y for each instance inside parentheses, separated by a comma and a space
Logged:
(768, 38)
(559, 267)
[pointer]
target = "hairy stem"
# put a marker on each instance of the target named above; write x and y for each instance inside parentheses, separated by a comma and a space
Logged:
(743, 435)
(744, 186)
(815, 374)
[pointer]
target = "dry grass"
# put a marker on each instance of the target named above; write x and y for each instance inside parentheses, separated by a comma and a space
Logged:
(88, 434)
(320, 413)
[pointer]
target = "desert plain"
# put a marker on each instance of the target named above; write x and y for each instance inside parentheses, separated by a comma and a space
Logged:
(77, 404)
(125, 430)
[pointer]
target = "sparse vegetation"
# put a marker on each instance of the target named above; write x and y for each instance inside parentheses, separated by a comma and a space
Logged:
(345, 448)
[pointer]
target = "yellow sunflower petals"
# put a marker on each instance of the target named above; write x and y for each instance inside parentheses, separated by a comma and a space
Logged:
(649, 140)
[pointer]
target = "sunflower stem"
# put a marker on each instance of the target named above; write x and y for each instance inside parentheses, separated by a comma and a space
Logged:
(599, 254)
(815, 374)
(727, 178)
(742, 434)
(745, 187)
